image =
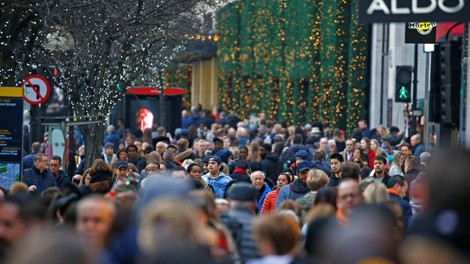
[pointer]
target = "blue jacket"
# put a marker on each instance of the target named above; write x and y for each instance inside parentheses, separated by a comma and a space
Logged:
(62, 180)
(292, 191)
(28, 161)
(219, 183)
(42, 180)
(405, 206)
(263, 195)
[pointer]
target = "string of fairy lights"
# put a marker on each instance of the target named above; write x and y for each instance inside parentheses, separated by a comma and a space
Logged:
(298, 61)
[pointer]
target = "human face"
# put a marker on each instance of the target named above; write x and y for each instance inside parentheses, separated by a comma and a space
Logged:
(349, 145)
(54, 166)
(357, 153)
(121, 173)
(373, 146)
(132, 152)
(349, 196)
(94, 221)
(151, 168)
(123, 155)
(257, 181)
(81, 152)
(42, 164)
(195, 173)
(213, 167)
(402, 190)
(218, 145)
(202, 146)
(363, 144)
(379, 166)
(139, 145)
(128, 140)
(303, 176)
(87, 178)
(243, 154)
(160, 147)
(405, 151)
(11, 226)
(109, 151)
(227, 143)
(335, 166)
(179, 175)
(324, 144)
(281, 181)
(361, 124)
(413, 141)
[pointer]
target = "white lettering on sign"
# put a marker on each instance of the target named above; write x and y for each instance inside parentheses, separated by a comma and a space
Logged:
(380, 5)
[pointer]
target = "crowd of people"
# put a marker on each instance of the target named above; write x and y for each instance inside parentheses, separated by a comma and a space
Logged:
(220, 190)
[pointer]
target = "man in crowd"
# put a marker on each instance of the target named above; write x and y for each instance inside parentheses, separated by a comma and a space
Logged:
(38, 178)
(335, 163)
(405, 149)
(239, 219)
(28, 159)
(380, 174)
(216, 178)
(108, 155)
(349, 197)
(348, 152)
(54, 167)
(397, 188)
(298, 188)
(417, 145)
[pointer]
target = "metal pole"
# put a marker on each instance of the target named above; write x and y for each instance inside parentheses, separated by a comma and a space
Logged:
(415, 89)
(161, 98)
(426, 103)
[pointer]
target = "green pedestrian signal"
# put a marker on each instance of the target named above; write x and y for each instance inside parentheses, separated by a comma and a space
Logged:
(403, 84)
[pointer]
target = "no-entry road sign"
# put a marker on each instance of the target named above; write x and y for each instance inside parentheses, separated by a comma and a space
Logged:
(36, 89)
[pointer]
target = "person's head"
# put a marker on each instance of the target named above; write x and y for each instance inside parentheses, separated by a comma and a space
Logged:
(54, 164)
(257, 179)
(316, 179)
(171, 148)
(243, 193)
(374, 145)
(326, 195)
(302, 171)
(243, 153)
(302, 155)
(405, 149)
(227, 142)
(138, 144)
(398, 184)
(36, 147)
(282, 180)
(109, 148)
(411, 163)
(386, 147)
(362, 124)
(182, 144)
(95, 215)
(351, 170)
(265, 149)
(179, 173)
(349, 196)
(120, 169)
(349, 145)
(379, 164)
(218, 144)
(160, 147)
(424, 158)
(122, 154)
(276, 234)
(41, 161)
(358, 161)
(415, 139)
(12, 223)
(365, 144)
(132, 151)
(195, 171)
(214, 165)
(375, 192)
(324, 143)
(335, 163)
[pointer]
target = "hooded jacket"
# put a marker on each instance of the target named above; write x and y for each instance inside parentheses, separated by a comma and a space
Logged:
(271, 166)
(292, 191)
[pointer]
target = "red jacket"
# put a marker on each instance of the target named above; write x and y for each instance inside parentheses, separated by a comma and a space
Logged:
(269, 205)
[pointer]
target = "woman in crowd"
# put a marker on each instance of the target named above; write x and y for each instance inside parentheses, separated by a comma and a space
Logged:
(269, 204)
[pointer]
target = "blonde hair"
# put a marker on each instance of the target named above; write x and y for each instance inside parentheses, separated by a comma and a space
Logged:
(375, 192)
(281, 231)
(317, 179)
(160, 221)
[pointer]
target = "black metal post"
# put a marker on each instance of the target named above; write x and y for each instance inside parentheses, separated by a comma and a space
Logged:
(415, 90)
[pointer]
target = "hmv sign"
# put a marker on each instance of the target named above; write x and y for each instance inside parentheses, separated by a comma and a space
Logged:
(377, 11)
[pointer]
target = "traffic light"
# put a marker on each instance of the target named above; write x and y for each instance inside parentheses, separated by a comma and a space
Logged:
(446, 72)
(403, 84)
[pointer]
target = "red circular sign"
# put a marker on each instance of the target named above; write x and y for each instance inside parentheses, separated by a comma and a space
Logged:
(36, 89)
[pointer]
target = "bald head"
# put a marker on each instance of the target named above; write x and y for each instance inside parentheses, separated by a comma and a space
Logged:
(349, 196)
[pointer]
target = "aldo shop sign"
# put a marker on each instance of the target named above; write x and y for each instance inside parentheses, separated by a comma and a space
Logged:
(378, 11)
